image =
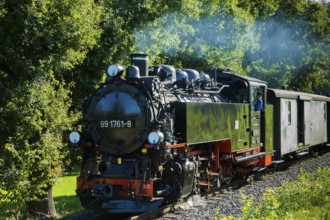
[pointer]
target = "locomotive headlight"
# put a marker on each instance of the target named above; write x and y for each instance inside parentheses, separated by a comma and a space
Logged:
(155, 137)
(114, 70)
(74, 137)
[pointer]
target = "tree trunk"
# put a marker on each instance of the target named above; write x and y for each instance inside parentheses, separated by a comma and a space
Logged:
(45, 207)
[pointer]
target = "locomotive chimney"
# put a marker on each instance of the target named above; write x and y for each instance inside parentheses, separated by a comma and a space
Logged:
(141, 61)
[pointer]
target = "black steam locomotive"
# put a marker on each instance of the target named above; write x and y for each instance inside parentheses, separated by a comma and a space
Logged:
(154, 135)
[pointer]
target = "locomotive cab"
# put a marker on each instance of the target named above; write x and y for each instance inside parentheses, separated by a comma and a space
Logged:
(251, 91)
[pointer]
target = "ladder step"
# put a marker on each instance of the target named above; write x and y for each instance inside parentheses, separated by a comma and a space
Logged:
(204, 158)
(213, 174)
(204, 183)
(261, 169)
(278, 161)
(227, 178)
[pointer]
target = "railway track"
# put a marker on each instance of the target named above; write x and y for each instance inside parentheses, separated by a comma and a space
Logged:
(197, 202)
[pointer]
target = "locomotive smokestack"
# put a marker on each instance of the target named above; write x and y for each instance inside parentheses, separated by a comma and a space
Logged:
(141, 61)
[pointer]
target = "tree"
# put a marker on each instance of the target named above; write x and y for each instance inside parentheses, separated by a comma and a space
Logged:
(32, 125)
(202, 34)
(313, 74)
(54, 46)
(119, 21)
(294, 47)
(40, 42)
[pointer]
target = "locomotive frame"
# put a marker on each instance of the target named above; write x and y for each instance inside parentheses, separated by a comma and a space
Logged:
(159, 134)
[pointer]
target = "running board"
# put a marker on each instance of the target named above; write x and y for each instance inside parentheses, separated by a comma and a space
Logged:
(250, 157)
(302, 153)
(258, 169)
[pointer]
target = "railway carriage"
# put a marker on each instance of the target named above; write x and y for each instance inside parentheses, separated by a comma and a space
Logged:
(300, 122)
(157, 134)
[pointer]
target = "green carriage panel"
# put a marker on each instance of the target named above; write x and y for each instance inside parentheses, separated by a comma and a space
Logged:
(255, 128)
(208, 122)
(269, 134)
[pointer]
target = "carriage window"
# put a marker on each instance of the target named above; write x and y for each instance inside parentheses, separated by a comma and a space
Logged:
(289, 112)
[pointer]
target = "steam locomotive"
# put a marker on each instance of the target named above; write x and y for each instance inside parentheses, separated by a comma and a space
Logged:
(154, 135)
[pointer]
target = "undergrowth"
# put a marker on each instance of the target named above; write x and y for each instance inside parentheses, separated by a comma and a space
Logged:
(306, 198)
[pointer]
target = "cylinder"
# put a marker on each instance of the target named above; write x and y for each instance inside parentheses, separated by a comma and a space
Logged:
(141, 61)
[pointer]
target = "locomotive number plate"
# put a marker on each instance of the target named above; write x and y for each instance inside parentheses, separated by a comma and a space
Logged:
(124, 123)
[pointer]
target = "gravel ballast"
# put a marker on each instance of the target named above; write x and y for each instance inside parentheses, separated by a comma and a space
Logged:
(229, 202)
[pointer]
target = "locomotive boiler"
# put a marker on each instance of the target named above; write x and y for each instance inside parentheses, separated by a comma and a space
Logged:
(155, 135)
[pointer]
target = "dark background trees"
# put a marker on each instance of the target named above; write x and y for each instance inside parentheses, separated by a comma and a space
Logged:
(294, 47)
(52, 53)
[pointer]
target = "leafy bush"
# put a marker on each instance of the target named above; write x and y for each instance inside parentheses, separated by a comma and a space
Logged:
(306, 198)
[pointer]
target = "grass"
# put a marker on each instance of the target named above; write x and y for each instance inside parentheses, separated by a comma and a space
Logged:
(66, 201)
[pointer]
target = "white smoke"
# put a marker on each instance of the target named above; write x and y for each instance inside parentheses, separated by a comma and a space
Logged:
(174, 35)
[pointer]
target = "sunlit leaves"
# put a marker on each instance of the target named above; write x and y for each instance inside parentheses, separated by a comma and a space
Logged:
(294, 47)
(43, 35)
(306, 198)
(40, 42)
(46, 43)
(33, 123)
(199, 40)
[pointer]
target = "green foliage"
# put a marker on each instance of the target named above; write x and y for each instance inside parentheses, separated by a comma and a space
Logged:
(40, 41)
(119, 18)
(266, 209)
(205, 35)
(311, 195)
(294, 47)
(306, 198)
(32, 126)
(272, 40)
(260, 8)
(46, 45)
(40, 36)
